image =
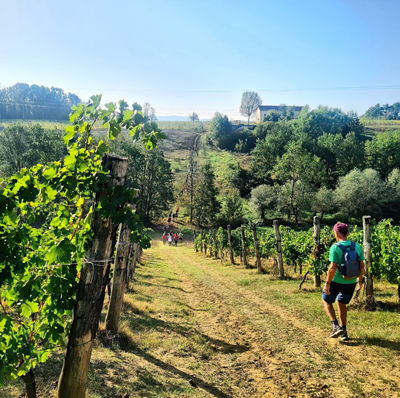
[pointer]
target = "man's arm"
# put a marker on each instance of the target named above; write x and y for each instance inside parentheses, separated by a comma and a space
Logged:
(329, 276)
(361, 276)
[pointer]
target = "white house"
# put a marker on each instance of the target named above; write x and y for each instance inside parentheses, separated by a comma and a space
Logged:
(264, 109)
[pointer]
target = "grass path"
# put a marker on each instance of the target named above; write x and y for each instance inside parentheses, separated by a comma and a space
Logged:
(193, 327)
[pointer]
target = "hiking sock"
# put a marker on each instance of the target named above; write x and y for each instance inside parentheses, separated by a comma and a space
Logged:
(335, 324)
(344, 328)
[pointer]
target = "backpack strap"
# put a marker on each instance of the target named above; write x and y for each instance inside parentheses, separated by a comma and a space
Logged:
(353, 246)
(342, 247)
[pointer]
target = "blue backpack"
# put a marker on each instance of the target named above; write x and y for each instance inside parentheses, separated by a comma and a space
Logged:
(350, 267)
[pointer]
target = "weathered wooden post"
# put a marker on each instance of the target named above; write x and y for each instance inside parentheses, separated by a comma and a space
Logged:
(279, 249)
(229, 228)
(210, 242)
(243, 238)
(317, 241)
(129, 265)
(205, 245)
(256, 248)
(118, 285)
(91, 290)
(201, 242)
(215, 244)
(369, 284)
(194, 240)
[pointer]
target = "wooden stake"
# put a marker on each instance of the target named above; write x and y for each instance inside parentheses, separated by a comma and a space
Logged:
(118, 285)
(244, 254)
(91, 290)
(317, 241)
(369, 285)
(230, 244)
(215, 244)
(279, 249)
(256, 248)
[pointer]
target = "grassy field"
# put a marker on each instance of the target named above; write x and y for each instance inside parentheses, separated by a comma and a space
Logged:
(373, 127)
(193, 327)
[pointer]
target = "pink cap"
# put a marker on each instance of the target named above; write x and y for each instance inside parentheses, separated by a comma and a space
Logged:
(341, 228)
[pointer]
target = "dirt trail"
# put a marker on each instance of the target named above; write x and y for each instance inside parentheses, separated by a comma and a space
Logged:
(286, 357)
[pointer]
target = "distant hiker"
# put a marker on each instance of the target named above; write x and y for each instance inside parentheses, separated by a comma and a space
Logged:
(344, 274)
(176, 238)
(169, 220)
(169, 239)
(177, 210)
(164, 228)
(164, 237)
(170, 214)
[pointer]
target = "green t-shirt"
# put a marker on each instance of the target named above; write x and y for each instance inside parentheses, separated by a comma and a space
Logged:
(335, 256)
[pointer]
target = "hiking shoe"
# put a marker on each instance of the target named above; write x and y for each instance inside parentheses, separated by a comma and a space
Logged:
(344, 336)
(337, 332)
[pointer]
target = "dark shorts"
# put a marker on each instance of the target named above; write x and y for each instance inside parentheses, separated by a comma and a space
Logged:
(342, 292)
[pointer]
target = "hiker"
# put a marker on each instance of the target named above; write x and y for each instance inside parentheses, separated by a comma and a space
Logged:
(164, 237)
(165, 229)
(169, 220)
(345, 273)
(176, 238)
(169, 239)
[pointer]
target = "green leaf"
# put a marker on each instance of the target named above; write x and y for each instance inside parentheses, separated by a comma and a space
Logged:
(70, 133)
(127, 115)
(114, 130)
(102, 148)
(48, 174)
(77, 112)
(110, 106)
(122, 105)
(25, 310)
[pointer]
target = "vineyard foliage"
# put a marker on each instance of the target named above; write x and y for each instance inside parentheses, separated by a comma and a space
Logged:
(45, 215)
(299, 250)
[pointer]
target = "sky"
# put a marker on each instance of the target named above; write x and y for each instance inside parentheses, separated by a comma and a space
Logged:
(192, 55)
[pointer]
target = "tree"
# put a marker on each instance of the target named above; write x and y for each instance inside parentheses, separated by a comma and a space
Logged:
(323, 201)
(263, 199)
(206, 205)
(149, 112)
(250, 102)
(23, 146)
(150, 173)
(194, 117)
(220, 127)
(232, 210)
(383, 152)
(360, 192)
(388, 112)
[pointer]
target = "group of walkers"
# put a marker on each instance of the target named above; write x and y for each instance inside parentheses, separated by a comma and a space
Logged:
(173, 216)
(170, 237)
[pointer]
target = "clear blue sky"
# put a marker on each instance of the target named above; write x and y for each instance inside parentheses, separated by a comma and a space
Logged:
(201, 55)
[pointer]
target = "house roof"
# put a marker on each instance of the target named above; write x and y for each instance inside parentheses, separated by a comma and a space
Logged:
(278, 107)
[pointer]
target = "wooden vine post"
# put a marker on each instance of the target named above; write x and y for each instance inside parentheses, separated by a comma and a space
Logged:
(256, 248)
(279, 249)
(119, 279)
(317, 241)
(215, 244)
(91, 291)
(194, 240)
(205, 245)
(210, 242)
(201, 241)
(369, 284)
(244, 254)
(229, 228)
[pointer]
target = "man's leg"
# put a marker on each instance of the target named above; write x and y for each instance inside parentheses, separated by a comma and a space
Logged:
(329, 310)
(342, 314)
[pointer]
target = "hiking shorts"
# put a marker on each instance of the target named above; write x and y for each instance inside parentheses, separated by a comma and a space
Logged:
(340, 291)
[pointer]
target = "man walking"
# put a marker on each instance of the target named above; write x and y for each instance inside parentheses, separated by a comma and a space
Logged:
(345, 273)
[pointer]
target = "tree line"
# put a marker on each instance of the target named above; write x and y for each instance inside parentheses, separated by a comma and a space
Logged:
(22, 101)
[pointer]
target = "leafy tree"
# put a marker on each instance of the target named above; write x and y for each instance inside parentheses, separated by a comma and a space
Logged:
(263, 199)
(149, 112)
(23, 146)
(232, 210)
(206, 205)
(220, 127)
(266, 152)
(388, 112)
(301, 172)
(194, 117)
(150, 173)
(383, 152)
(250, 103)
(323, 202)
(22, 101)
(360, 192)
